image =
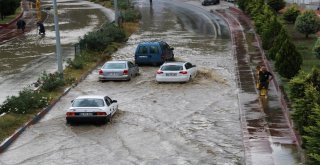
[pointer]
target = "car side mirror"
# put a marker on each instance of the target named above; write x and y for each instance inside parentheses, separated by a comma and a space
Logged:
(71, 101)
(114, 101)
(194, 65)
(171, 48)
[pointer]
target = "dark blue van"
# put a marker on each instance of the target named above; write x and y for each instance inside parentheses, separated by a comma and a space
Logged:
(153, 53)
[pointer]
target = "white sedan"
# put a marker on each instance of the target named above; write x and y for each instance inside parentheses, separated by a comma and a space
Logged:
(97, 109)
(176, 72)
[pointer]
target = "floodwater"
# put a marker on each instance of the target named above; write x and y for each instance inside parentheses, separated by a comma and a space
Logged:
(190, 123)
(23, 59)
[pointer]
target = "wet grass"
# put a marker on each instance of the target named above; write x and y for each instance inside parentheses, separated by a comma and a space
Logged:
(304, 46)
(10, 122)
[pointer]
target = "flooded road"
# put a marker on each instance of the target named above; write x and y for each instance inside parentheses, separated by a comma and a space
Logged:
(24, 58)
(191, 123)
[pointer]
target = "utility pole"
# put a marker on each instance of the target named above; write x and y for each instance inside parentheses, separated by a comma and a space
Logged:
(116, 16)
(58, 45)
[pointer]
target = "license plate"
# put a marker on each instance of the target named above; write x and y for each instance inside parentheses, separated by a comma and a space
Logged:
(86, 114)
(171, 74)
(113, 74)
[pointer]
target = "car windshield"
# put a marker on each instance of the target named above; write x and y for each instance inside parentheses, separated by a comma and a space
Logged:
(88, 102)
(171, 67)
(114, 66)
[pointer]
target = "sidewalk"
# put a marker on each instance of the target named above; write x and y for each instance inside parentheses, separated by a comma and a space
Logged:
(267, 130)
(9, 31)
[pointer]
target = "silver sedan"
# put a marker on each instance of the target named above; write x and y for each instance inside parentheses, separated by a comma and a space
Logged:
(118, 70)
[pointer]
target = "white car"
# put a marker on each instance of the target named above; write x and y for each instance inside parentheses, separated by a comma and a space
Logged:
(97, 109)
(118, 70)
(176, 72)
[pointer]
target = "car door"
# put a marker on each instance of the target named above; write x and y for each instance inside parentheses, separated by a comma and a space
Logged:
(132, 69)
(111, 105)
(190, 69)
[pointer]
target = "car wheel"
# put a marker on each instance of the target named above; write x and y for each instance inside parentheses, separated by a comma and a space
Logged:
(129, 78)
(109, 118)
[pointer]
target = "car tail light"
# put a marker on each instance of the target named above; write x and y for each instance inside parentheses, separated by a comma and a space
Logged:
(183, 72)
(70, 113)
(100, 72)
(159, 72)
(101, 113)
(125, 72)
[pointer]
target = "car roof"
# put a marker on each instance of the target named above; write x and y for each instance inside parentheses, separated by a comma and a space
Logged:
(175, 63)
(91, 97)
(118, 61)
(151, 42)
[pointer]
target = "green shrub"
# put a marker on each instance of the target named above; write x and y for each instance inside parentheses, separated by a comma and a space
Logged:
(131, 15)
(95, 41)
(270, 31)
(52, 81)
(99, 40)
(27, 101)
(291, 14)
(307, 23)
(288, 60)
(302, 114)
(316, 48)
(76, 63)
(297, 86)
(312, 137)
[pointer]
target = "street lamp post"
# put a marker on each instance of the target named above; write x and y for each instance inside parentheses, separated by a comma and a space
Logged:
(58, 45)
(115, 11)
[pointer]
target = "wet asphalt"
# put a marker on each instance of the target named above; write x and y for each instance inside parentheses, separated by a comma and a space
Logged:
(192, 123)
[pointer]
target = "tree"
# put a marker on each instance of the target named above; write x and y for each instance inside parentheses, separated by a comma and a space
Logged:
(282, 36)
(303, 109)
(276, 5)
(312, 137)
(270, 31)
(262, 17)
(291, 14)
(316, 48)
(297, 86)
(8, 7)
(288, 60)
(307, 23)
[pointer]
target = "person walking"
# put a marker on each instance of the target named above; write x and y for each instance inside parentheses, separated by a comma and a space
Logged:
(264, 78)
(42, 31)
(21, 24)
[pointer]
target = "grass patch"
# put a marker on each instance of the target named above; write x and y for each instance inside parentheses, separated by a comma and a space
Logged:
(304, 46)
(130, 27)
(10, 122)
(9, 18)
